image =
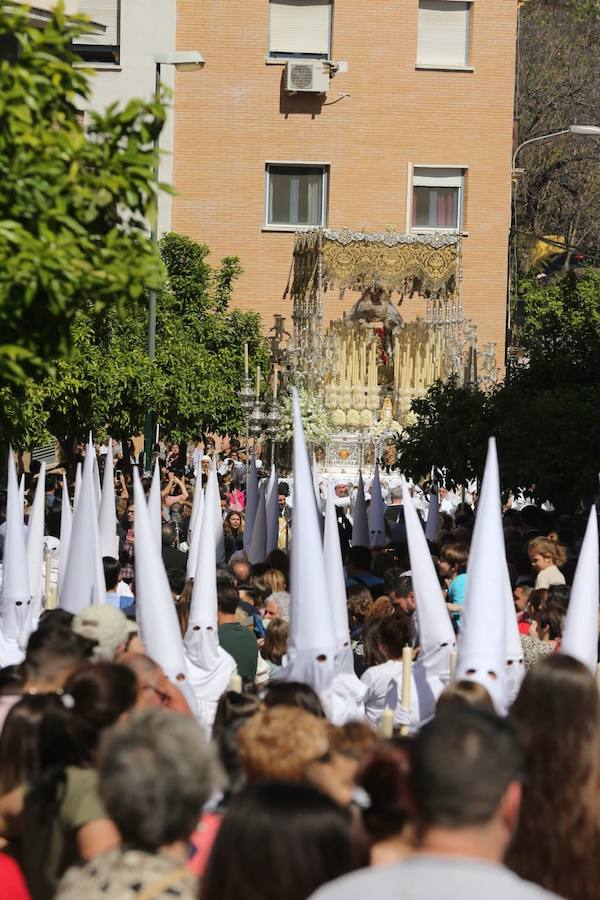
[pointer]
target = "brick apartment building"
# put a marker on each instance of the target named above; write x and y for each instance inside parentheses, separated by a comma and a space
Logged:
(414, 131)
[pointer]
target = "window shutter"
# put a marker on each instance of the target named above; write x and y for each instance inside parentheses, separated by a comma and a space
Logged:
(424, 177)
(299, 26)
(103, 12)
(443, 32)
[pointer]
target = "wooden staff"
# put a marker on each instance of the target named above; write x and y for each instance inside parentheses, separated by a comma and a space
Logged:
(407, 658)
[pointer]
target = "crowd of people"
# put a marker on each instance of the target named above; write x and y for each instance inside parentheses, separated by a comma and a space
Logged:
(220, 684)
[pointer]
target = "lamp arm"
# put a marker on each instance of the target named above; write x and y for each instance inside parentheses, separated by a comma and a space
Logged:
(540, 137)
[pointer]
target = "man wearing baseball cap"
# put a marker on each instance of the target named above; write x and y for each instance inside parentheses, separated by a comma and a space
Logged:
(109, 627)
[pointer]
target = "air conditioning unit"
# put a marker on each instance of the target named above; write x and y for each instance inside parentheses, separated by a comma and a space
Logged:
(310, 77)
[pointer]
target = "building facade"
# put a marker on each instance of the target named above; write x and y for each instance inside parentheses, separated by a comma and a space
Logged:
(123, 59)
(406, 124)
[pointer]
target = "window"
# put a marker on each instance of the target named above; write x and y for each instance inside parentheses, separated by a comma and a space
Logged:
(437, 199)
(299, 28)
(296, 195)
(443, 33)
(102, 47)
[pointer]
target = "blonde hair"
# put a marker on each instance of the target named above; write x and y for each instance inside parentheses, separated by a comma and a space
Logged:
(272, 578)
(548, 548)
(280, 743)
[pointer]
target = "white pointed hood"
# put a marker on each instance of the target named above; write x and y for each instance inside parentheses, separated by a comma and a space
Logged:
(515, 663)
(257, 548)
(312, 645)
(376, 514)
(78, 481)
(83, 583)
(272, 512)
(580, 634)
(360, 522)
(155, 508)
(209, 667)
(251, 501)
(66, 517)
(15, 604)
(107, 519)
(213, 507)
(432, 525)
(336, 584)
(155, 610)
(22, 491)
(91, 450)
(482, 644)
(35, 543)
(436, 634)
(195, 526)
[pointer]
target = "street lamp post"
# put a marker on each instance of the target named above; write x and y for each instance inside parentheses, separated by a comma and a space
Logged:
(182, 61)
(584, 130)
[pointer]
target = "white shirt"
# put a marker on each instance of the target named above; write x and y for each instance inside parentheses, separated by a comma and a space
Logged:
(384, 688)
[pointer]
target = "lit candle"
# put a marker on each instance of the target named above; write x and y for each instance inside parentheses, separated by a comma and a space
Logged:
(257, 382)
(235, 684)
(407, 657)
(246, 360)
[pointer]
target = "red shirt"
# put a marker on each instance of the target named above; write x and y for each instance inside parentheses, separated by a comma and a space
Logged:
(12, 883)
(202, 840)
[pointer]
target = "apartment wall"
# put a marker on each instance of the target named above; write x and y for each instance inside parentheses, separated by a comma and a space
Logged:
(235, 117)
(147, 28)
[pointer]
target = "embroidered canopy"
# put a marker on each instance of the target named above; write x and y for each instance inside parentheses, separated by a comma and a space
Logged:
(425, 263)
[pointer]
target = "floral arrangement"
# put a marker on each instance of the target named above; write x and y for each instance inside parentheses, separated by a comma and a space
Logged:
(385, 425)
(315, 417)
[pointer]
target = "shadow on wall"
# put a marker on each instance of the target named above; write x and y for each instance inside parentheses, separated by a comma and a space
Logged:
(303, 103)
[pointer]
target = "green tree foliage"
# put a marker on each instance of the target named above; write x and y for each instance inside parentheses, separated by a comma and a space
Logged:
(200, 341)
(546, 418)
(108, 383)
(450, 431)
(73, 204)
(562, 320)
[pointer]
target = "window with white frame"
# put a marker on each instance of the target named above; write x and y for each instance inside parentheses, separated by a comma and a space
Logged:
(101, 46)
(300, 28)
(296, 195)
(443, 33)
(437, 199)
